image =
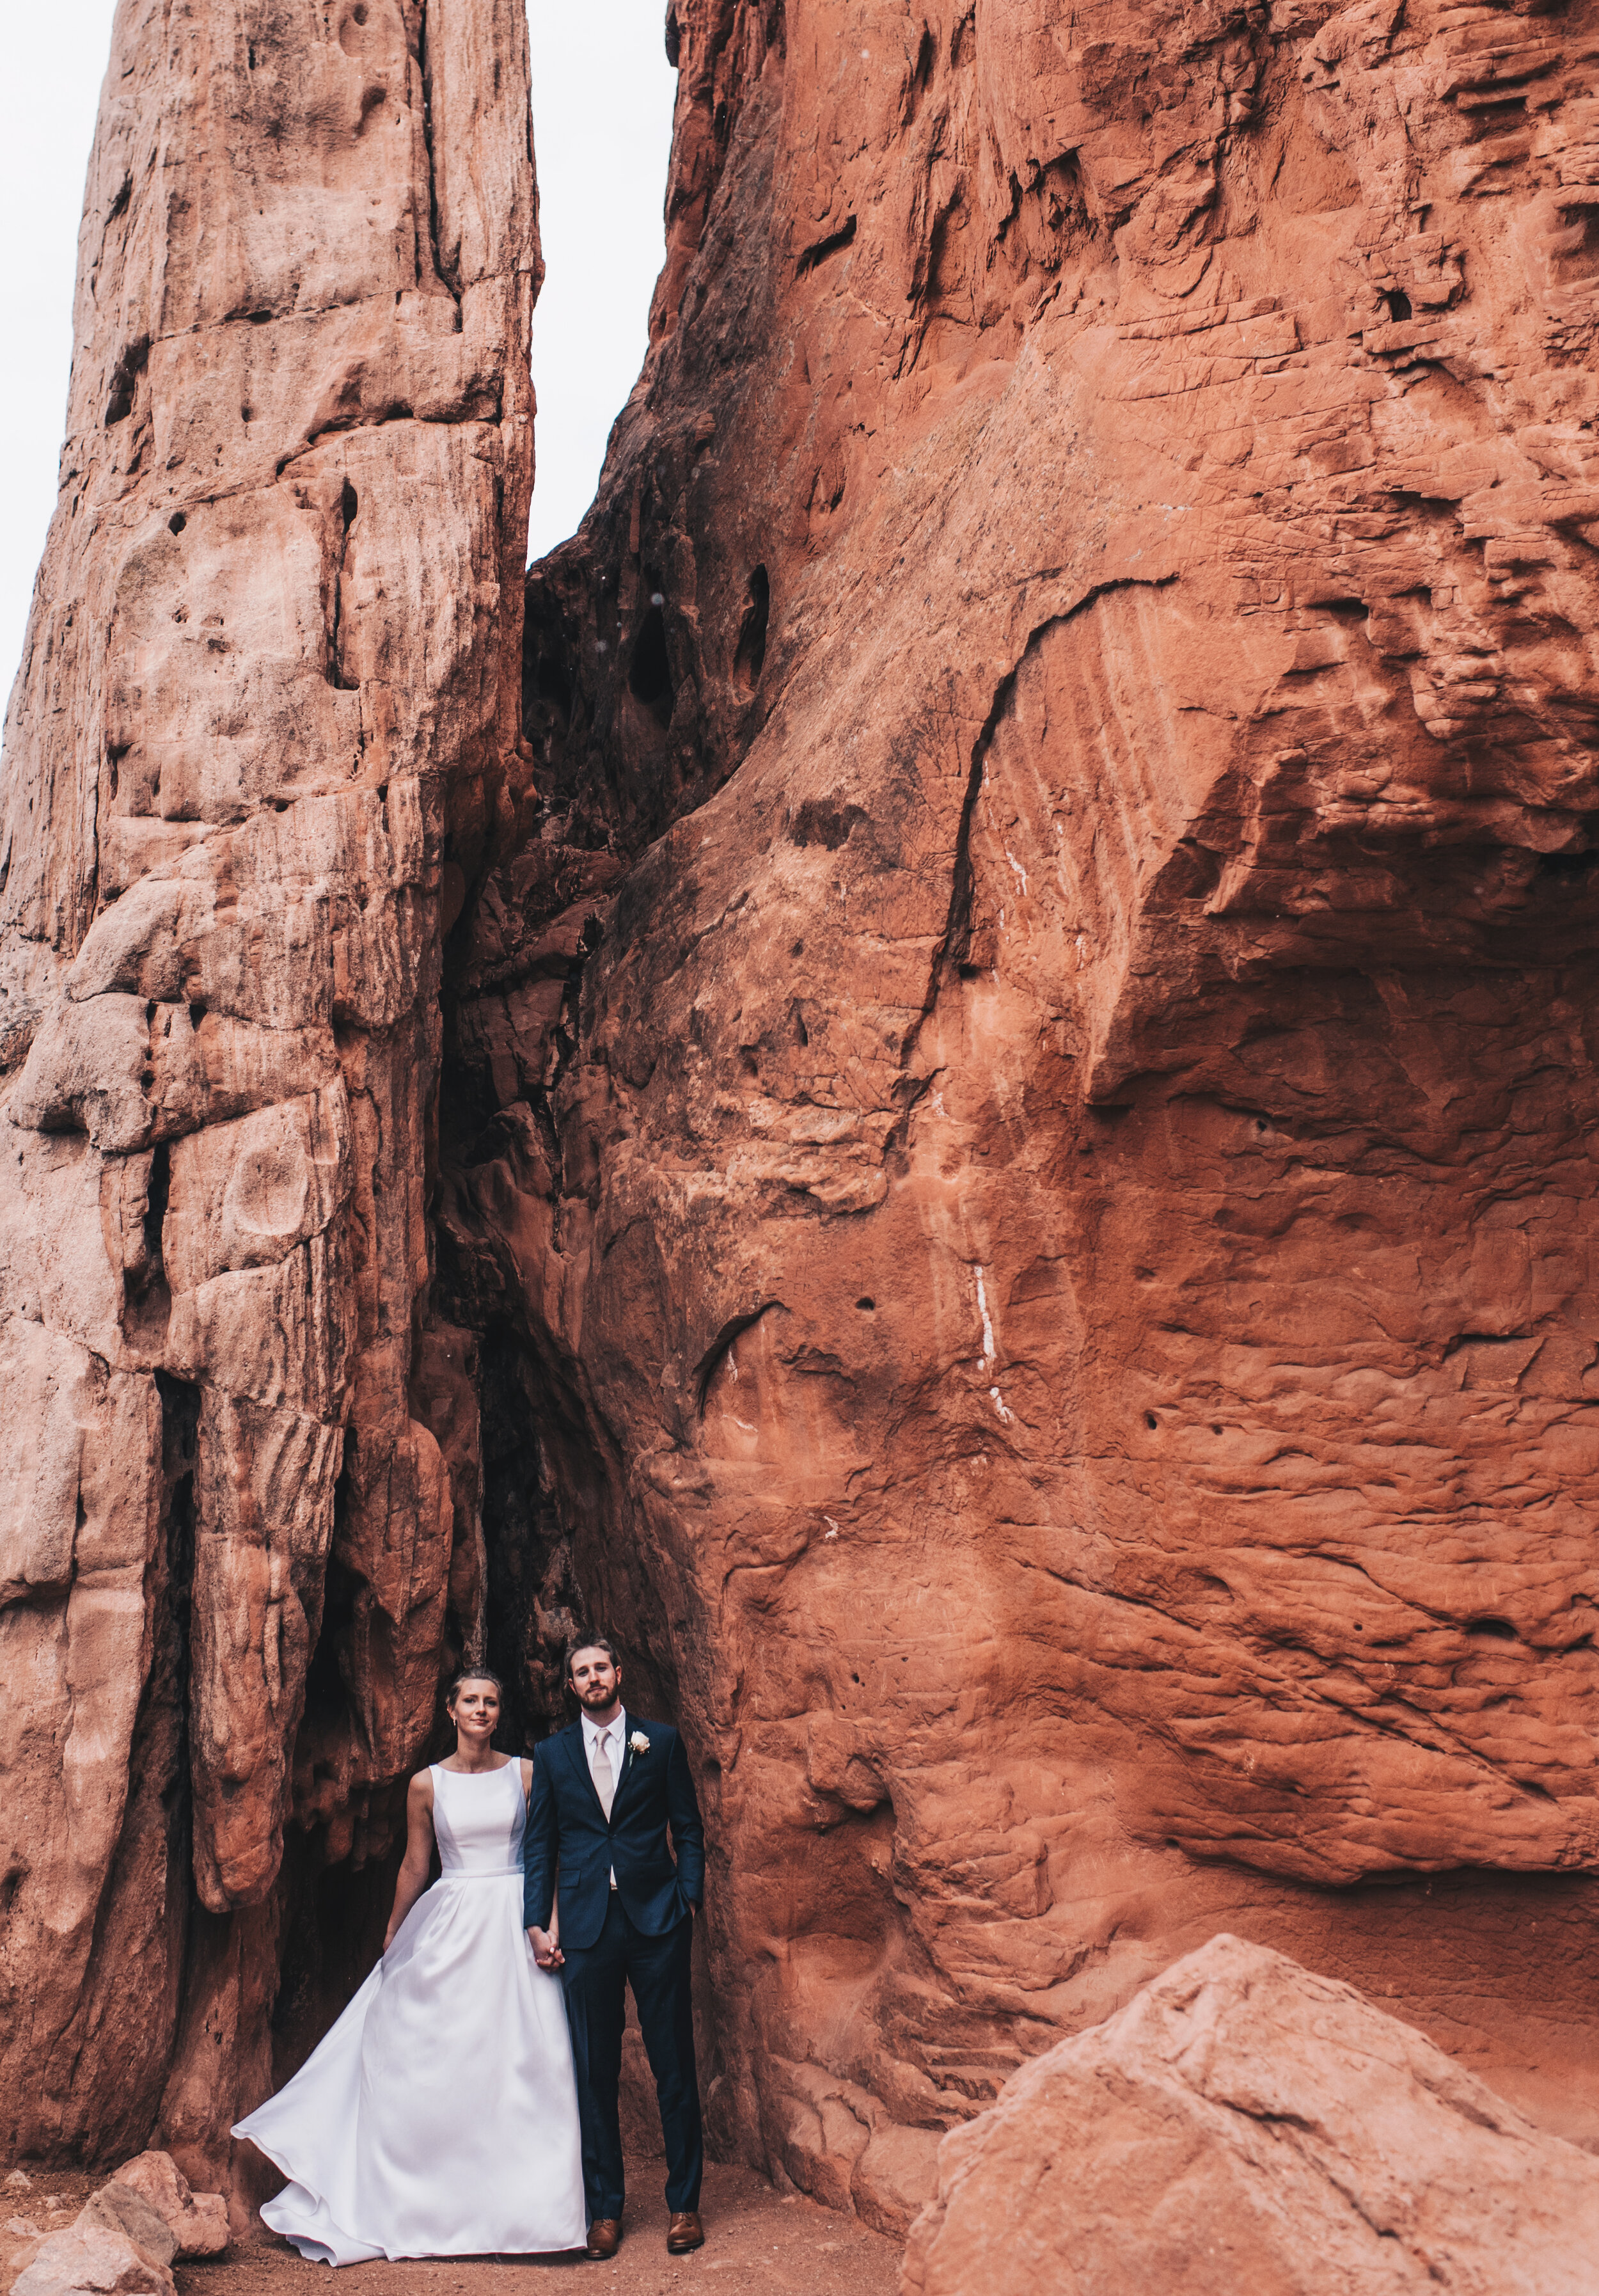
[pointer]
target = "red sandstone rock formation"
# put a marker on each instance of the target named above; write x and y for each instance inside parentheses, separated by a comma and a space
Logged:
(1243, 2125)
(264, 724)
(1011, 1201)
(1028, 1101)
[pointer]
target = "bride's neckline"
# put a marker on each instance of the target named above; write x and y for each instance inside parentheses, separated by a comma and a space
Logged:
(494, 1773)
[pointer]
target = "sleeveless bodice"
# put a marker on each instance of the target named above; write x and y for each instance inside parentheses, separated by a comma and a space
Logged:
(478, 1820)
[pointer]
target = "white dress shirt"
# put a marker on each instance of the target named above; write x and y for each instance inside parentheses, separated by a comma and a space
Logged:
(614, 1738)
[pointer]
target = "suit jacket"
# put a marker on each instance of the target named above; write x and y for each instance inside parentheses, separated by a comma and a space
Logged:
(570, 1843)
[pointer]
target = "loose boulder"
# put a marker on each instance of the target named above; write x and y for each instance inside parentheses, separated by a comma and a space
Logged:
(198, 2221)
(124, 2238)
(93, 2258)
(1243, 2125)
(118, 2208)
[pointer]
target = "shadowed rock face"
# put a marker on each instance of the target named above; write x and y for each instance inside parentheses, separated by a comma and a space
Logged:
(1010, 1040)
(265, 721)
(1026, 1106)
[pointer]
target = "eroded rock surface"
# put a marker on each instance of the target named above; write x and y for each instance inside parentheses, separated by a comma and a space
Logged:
(1023, 1123)
(1013, 1197)
(1243, 2124)
(265, 721)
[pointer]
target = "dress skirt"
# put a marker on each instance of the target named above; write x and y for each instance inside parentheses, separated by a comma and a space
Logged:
(440, 2115)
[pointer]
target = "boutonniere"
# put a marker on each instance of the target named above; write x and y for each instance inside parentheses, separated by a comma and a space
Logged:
(639, 1742)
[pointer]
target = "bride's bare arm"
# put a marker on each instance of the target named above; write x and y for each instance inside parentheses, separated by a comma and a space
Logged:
(417, 1862)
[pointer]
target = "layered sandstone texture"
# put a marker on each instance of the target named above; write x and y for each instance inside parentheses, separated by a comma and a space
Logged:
(1008, 1009)
(265, 722)
(1020, 1131)
(1240, 2125)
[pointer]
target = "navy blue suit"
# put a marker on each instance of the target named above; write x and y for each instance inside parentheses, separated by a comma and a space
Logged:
(639, 1934)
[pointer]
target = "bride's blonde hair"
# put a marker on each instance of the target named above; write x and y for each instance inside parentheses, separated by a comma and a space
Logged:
(472, 1674)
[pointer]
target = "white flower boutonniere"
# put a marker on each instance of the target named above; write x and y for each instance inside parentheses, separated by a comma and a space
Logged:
(639, 1742)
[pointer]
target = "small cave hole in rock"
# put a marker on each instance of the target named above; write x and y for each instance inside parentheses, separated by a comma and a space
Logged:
(1398, 302)
(866, 1303)
(1499, 1630)
(749, 659)
(176, 522)
(349, 506)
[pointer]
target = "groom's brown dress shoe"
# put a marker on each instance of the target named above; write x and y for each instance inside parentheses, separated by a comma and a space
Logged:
(604, 2236)
(684, 2232)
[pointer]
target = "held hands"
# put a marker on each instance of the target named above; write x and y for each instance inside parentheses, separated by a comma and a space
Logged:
(546, 1951)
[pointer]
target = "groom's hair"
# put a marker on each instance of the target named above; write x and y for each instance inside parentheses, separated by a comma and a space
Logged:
(590, 1642)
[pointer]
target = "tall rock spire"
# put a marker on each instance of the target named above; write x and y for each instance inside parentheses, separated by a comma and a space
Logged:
(266, 719)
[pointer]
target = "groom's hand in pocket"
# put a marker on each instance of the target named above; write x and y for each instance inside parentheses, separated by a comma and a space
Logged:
(547, 1953)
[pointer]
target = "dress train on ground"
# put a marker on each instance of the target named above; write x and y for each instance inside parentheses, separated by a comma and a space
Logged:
(440, 2115)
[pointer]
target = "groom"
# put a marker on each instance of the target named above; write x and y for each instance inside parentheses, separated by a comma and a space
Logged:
(605, 1791)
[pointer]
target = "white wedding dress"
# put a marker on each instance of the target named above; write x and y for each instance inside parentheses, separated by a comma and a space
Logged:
(439, 2116)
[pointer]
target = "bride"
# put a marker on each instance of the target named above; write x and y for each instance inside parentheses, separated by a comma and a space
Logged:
(439, 2116)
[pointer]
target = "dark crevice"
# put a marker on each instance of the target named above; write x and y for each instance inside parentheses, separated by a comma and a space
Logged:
(424, 50)
(705, 1371)
(533, 1599)
(834, 244)
(749, 659)
(146, 1298)
(349, 504)
(125, 378)
(650, 671)
(952, 956)
(180, 1450)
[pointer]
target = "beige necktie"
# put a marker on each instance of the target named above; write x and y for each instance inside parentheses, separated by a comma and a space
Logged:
(604, 1779)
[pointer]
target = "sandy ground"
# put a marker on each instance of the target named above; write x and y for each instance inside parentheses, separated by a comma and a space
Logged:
(757, 2242)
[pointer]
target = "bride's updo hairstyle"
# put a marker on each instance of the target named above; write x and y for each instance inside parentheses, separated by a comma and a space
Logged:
(472, 1674)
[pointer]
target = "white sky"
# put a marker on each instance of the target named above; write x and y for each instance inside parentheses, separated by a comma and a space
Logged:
(601, 126)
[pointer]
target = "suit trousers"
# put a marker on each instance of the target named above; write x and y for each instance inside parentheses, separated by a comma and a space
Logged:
(596, 1978)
